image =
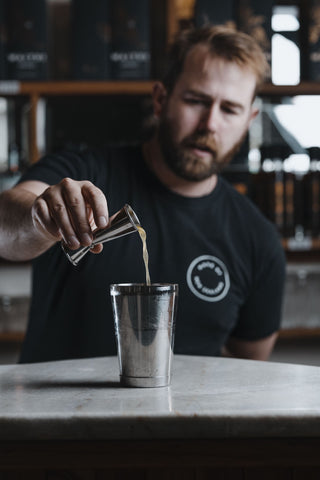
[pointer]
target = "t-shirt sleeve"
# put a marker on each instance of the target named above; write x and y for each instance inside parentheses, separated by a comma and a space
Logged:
(53, 168)
(260, 316)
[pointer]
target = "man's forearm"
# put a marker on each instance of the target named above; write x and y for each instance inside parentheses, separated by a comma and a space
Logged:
(19, 239)
(250, 349)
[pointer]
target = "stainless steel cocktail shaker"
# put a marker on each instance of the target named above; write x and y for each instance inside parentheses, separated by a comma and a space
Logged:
(144, 319)
(124, 222)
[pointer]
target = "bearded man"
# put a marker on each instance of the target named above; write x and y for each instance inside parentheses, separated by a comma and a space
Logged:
(201, 233)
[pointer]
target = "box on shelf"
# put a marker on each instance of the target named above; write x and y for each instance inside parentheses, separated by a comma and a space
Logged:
(130, 55)
(111, 40)
(91, 39)
(27, 40)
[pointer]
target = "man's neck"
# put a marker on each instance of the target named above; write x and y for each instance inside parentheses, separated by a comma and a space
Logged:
(154, 159)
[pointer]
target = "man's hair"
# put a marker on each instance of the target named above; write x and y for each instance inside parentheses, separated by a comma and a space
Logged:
(223, 42)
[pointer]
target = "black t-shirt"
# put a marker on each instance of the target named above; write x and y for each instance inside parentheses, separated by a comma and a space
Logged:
(225, 256)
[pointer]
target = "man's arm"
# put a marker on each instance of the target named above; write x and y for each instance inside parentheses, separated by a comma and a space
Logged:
(34, 216)
(250, 349)
(19, 239)
(256, 330)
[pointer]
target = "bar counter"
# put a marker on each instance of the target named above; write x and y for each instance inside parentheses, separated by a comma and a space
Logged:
(220, 418)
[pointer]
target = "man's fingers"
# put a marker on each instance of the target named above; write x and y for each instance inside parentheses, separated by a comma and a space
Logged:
(76, 210)
(69, 209)
(98, 203)
(60, 215)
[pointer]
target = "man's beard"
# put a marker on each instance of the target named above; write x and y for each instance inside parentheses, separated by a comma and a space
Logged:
(186, 164)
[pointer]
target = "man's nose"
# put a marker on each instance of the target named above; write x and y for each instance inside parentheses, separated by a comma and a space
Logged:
(210, 118)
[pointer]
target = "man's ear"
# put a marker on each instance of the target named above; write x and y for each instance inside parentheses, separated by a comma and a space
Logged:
(253, 114)
(159, 97)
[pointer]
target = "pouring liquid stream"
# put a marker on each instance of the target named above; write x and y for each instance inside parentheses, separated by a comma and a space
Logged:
(143, 237)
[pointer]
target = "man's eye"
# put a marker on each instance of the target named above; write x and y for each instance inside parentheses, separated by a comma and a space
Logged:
(229, 110)
(194, 101)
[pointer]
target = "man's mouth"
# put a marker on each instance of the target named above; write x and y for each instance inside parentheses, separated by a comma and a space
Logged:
(201, 147)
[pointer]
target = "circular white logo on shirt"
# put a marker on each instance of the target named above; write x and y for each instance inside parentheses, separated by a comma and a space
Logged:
(208, 278)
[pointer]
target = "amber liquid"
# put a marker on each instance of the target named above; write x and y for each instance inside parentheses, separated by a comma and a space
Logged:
(145, 254)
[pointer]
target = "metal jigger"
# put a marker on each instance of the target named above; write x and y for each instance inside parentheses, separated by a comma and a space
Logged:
(124, 222)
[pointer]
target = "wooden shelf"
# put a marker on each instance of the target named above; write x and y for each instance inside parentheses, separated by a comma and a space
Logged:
(36, 90)
(303, 88)
(12, 88)
(300, 332)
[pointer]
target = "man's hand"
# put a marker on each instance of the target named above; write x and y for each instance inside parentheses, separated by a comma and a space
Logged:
(71, 210)
(34, 216)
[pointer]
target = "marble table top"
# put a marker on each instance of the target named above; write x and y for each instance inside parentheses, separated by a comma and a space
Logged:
(208, 398)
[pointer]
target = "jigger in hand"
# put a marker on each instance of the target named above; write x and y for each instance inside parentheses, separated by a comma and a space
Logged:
(124, 222)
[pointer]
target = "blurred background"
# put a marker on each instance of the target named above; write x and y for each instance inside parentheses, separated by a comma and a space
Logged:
(75, 73)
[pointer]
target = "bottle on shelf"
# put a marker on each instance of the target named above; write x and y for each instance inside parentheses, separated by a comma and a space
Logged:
(268, 186)
(314, 41)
